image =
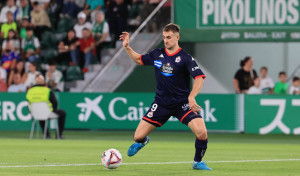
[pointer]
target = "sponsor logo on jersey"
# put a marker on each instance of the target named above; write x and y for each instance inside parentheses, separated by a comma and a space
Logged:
(167, 70)
(178, 59)
(196, 68)
(157, 63)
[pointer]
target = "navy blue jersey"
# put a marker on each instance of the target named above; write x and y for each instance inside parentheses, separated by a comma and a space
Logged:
(172, 72)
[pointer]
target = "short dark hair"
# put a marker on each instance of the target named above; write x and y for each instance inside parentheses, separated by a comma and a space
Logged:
(245, 60)
(296, 78)
(264, 68)
(85, 29)
(34, 64)
(35, 3)
(29, 29)
(282, 73)
(52, 62)
(172, 27)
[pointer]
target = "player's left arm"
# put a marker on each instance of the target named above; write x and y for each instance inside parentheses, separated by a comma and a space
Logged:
(198, 83)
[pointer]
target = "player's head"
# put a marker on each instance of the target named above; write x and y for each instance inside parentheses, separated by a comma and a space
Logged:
(296, 81)
(282, 76)
(171, 35)
(263, 71)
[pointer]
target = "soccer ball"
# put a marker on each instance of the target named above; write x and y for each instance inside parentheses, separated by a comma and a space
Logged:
(111, 158)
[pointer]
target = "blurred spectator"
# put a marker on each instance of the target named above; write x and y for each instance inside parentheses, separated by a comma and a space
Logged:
(44, 3)
(53, 12)
(39, 20)
(30, 80)
(23, 10)
(82, 23)
(17, 86)
(10, 6)
(70, 9)
(294, 89)
(13, 41)
(134, 11)
(3, 86)
(3, 74)
(10, 24)
(266, 83)
(255, 89)
(30, 46)
(87, 47)
(100, 33)
(20, 69)
(67, 49)
(117, 15)
(9, 58)
(54, 77)
(281, 87)
(243, 78)
(80, 3)
(25, 24)
(92, 7)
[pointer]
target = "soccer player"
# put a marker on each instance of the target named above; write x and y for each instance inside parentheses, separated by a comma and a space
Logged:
(173, 67)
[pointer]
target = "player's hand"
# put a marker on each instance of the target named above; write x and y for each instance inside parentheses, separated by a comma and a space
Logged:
(193, 105)
(125, 38)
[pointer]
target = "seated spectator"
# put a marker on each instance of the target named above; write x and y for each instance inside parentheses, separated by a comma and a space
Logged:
(255, 89)
(13, 41)
(39, 20)
(10, 6)
(30, 80)
(54, 77)
(37, 94)
(30, 46)
(17, 86)
(100, 33)
(87, 47)
(3, 86)
(70, 9)
(24, 25)
(294, 89)
(82, 23)
(44, 3)
(20, 69)
(10, 24)
(266, 83)
(23, 10)
(53, 12)
(9, 58)
(3, 73)
(67, 49)
(92, 7)
(281, 87)
(243, 78)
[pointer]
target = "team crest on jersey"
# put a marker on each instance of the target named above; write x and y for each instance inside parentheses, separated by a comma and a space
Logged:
(167, 70)
(178, 59)
(150, 114)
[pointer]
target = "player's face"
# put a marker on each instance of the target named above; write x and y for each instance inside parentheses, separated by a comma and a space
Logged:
(170, 39)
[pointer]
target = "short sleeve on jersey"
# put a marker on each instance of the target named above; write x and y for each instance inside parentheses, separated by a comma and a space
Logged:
(148, 59)
(194, 68)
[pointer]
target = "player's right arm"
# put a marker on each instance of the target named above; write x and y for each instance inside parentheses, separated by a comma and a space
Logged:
(133, 55)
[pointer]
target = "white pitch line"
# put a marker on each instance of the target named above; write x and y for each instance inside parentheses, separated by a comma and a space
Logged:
(151, 163)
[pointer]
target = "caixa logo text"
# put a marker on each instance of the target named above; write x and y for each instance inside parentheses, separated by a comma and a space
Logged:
(10, 111)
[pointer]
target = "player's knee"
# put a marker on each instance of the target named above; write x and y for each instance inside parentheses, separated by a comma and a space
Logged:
(201, 134)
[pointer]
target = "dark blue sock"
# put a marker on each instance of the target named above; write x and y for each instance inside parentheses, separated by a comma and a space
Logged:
(201, 147)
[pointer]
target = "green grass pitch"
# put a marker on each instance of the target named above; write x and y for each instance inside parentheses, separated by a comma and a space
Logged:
(79, 154)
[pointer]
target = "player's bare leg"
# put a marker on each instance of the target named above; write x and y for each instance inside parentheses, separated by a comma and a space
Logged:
(140, 137)
(198, 127)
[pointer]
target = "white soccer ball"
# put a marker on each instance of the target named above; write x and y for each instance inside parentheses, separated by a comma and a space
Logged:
(111, 158)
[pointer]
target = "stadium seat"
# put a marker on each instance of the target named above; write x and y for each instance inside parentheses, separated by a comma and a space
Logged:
(64, 25)
(50, 54)
(49, 40)
(41, 112)
(74, 73)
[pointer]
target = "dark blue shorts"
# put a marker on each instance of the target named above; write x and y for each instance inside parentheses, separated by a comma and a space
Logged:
(157, 115)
